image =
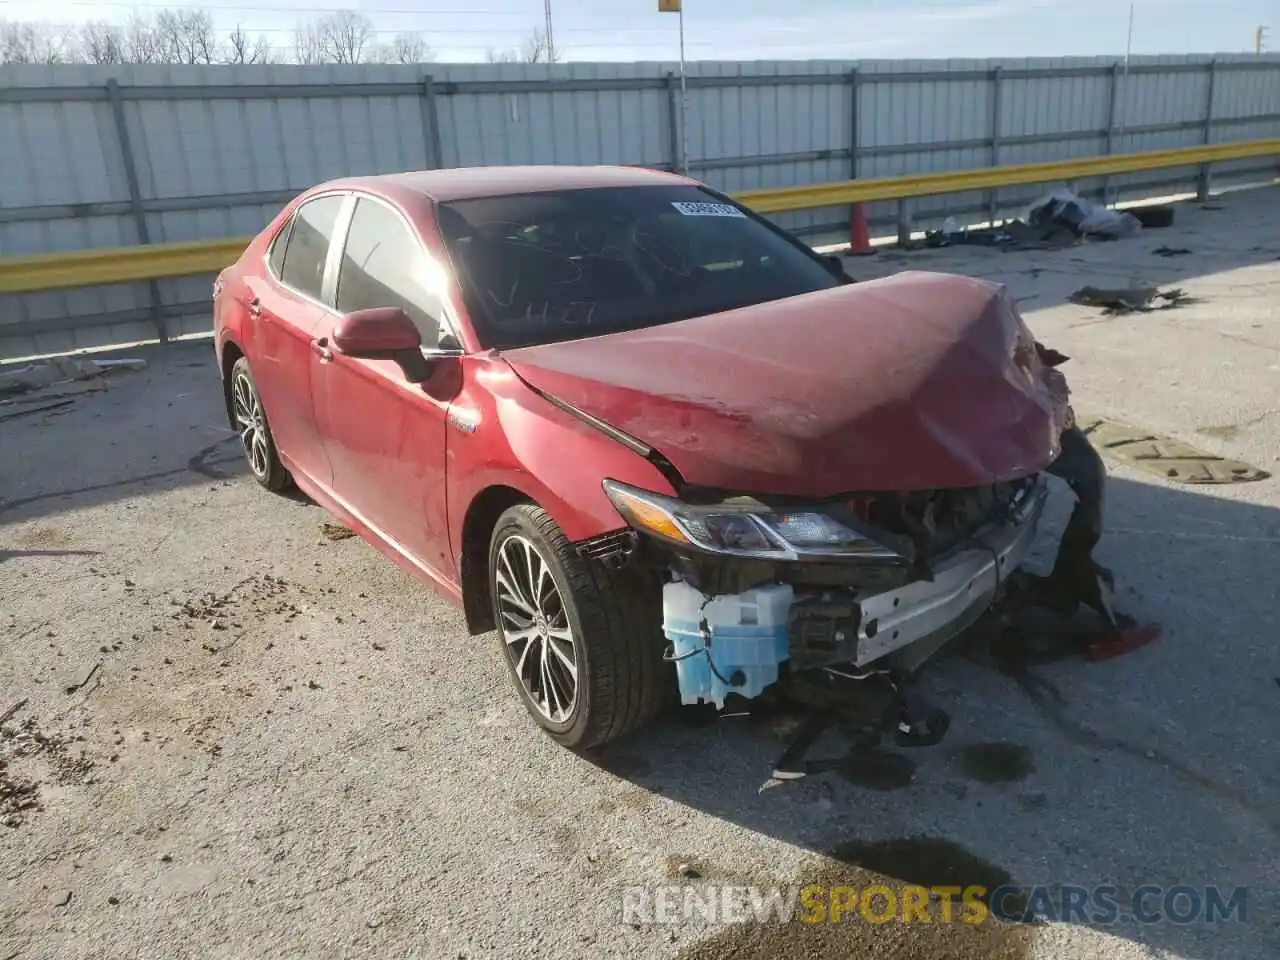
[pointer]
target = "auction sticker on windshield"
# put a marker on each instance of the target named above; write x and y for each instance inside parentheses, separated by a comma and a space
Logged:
(692, 209)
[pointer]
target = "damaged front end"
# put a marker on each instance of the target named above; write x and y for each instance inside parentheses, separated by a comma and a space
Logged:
(873, 583)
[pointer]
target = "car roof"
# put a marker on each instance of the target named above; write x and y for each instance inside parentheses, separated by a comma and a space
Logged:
(465, 183)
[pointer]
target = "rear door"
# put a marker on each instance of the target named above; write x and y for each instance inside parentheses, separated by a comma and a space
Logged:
(284, 311)
(385, 436)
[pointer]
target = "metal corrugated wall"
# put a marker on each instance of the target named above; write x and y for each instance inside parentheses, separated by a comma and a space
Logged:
(215, 151)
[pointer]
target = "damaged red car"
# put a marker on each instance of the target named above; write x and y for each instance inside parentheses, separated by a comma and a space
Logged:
(652, 440)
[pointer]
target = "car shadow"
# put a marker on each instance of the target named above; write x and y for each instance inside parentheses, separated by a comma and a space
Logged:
(1152, 769)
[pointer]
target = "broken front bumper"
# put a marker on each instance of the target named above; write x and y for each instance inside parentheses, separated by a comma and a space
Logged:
(866, 627)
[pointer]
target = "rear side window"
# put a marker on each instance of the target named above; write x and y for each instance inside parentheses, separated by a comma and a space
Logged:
(308, 245)
(384, 266)
(278, 245)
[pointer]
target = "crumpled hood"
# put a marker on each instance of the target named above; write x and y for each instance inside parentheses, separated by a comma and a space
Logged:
(920, 380)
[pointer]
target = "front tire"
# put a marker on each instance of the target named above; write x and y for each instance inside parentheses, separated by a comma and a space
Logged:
(255, 433)
(583, 645)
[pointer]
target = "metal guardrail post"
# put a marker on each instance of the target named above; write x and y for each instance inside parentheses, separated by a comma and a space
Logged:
(854, 92)
(673, 121)
(431, 124)
(1112, 106)
(135, 201)
(993, 202)
(1203, 184)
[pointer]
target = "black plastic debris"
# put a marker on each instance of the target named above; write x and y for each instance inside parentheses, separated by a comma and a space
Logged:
(1154, 217)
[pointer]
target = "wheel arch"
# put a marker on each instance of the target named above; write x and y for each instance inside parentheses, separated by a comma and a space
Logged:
(231, 352)
(477, 528)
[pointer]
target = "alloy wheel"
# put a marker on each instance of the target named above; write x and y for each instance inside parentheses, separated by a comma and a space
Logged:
(535, 629)
(251, 424)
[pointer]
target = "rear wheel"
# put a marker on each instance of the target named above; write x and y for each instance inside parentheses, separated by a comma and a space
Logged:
(582, 644)
(255, 433)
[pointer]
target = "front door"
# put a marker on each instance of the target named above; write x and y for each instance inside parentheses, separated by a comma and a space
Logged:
(284, 312)
(385, 436)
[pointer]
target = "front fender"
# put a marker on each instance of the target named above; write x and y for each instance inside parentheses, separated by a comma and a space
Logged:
(523, 442)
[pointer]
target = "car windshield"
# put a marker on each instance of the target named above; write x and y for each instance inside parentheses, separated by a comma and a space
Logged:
(543, 267)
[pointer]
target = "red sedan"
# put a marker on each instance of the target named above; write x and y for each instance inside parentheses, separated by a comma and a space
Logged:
(652, 439)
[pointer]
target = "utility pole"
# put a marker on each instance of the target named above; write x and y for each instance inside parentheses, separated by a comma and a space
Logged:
(677, 7)
(551, 42)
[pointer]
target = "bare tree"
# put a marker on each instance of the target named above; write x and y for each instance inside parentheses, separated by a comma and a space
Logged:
(185, 36)
(308, 44)
(102, 43)
(142, 43)
(403, 48)
(540, 48)
(536, 49)
(344, 36)
(241, 48)
(25, 42)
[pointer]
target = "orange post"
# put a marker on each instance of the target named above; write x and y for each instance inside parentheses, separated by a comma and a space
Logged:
(859, 237)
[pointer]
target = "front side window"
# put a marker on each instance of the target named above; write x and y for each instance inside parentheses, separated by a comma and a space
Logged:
(384, 266)
(308, 244)
(542, 267)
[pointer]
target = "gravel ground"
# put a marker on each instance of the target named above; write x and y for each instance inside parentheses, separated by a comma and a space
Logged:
(242, 737)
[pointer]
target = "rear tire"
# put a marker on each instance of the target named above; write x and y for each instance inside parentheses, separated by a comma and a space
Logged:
(255, 433)
(583, 644)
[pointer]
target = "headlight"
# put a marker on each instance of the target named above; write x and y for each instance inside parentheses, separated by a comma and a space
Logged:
(744, 531)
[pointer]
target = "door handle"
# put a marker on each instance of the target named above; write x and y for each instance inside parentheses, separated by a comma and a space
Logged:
(321, 347)
(255, 308)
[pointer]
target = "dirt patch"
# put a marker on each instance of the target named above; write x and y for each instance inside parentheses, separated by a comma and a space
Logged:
(997, 762)
(29, 758)
(260, 595)
(890, 865)
(43, 538)
(334, 531)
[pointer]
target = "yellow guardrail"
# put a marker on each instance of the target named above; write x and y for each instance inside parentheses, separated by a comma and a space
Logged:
(85, 268)
(954, 181)
(56, 271)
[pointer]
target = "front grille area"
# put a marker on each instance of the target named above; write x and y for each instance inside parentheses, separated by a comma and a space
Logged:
(937, 520)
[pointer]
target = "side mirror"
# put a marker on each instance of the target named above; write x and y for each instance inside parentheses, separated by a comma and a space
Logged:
(387, 333)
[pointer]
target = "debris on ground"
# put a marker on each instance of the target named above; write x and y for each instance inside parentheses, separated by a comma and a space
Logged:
(1163, 456)
(27, 756)
(1163, 251)
(335, 531)
(59, 370)
(1140, 298)
(1083, 217)
(1154, 217)
(12, 709)
(1061, 219)
(83, 681)
(28, 411)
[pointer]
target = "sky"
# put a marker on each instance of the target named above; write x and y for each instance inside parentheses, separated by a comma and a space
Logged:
(584, 30)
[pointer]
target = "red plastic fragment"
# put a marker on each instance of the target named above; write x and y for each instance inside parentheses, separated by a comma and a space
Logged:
(1118, 644)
